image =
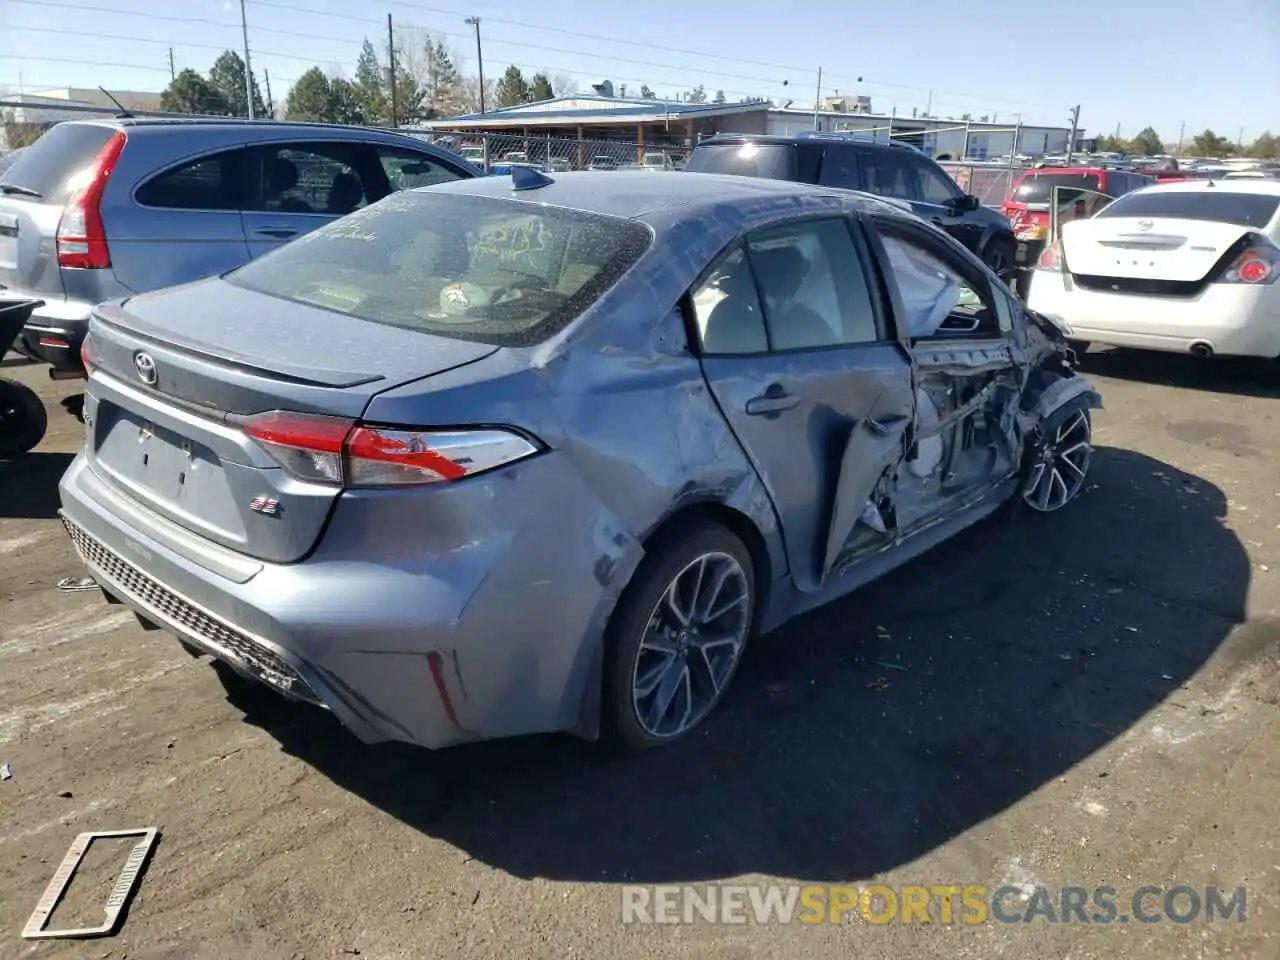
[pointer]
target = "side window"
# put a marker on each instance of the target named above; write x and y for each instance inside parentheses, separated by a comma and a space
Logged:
(406, 169)
(320, 178)
(935, 186)
(840, 169)
(888, 174)
(210, 183)
(727, 309)
(815, 293)
(940, 301)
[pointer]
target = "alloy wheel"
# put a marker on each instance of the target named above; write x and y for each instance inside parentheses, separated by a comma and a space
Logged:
(693, 640)
(1061, 465)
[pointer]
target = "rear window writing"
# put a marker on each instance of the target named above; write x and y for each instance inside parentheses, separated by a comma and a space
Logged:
(1219, 205)
(1038, 188)
(50, 164)
(497, 271)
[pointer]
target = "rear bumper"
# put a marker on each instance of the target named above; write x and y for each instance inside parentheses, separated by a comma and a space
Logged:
(434, 651)
(54, 332)
(1232, 320)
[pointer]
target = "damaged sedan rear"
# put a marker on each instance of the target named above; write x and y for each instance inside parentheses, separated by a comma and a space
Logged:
(531, 454)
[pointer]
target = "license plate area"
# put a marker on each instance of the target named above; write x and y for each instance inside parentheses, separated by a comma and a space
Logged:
(152, 456)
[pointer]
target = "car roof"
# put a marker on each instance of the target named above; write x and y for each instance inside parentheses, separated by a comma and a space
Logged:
(639, 195)
(139, 124)
(1266, 188)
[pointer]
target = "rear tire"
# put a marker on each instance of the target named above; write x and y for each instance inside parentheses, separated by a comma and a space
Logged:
(999, 259)
(23, 420)
(677, 636)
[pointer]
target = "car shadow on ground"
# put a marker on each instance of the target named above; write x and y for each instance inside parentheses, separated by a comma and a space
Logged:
(29, 485)
(867, 733)
(1237, 376)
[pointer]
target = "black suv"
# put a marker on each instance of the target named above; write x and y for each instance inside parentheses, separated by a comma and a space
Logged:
(888, 168)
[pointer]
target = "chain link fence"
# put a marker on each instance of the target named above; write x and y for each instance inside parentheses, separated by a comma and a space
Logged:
(498, 151)
(990, 183)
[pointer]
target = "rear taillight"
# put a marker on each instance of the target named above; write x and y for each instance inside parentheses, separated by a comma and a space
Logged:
(331, 450)
(81, 240)
(1257, 264)
(1050, 259)
(86, 357)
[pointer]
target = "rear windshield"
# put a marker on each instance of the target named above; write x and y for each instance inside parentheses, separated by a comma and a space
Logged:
(49, 165)
(505, 272)
(1038, 187)
(776, 161)
(1219, 205)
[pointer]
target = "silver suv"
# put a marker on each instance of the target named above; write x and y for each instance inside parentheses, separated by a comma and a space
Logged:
(96, 210)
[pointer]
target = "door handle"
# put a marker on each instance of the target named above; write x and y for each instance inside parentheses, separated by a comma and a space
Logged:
(279, 233)
(773, 400)
(884, 426)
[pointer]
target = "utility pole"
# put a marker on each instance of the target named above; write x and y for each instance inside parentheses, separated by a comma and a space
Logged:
(173, 75)
(928, 107)
(475, 22)
(271, 103)
(817, 101)
(1240, 140)
(391, 72)
(248, 70)
(1182, 132)
(1075, 129)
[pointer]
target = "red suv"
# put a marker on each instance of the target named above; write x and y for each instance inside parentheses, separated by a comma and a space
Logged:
(1028, 205)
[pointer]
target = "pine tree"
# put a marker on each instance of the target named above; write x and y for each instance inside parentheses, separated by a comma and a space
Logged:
(370, 86)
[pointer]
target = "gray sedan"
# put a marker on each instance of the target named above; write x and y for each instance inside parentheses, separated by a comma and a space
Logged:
(544, 453)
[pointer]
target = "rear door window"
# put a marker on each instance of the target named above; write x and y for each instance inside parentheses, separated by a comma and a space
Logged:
(210, 183)
(330, 179)
(889, 174)
(840, 168)
(49, 166)
(1219, 205)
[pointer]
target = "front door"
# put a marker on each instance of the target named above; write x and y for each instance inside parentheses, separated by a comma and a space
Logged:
(797, 353)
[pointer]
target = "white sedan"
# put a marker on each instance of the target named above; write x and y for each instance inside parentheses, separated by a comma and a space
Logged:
(1186, 267)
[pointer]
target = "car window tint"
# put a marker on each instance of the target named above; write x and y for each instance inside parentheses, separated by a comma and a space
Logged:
(1221, 205)
(312, 178)
(406, 169)
(726, 308)
(935, 186)
(210, 183)
(815, 293)
(840, 169)
(939, 301)
(889, 175)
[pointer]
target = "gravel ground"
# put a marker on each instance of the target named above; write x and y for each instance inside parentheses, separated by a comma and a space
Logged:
(1083, 700)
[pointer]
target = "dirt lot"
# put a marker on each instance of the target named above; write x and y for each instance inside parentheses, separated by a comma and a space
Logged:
(1092, 699)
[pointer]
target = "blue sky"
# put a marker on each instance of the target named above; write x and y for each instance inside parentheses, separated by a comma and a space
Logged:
(1131, 65)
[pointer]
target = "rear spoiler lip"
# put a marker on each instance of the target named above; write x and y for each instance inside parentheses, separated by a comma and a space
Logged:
(113, 315)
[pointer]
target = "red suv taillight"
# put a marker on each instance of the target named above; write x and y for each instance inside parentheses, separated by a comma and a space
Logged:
(333, 450)
(1257, 264)
(81, 240)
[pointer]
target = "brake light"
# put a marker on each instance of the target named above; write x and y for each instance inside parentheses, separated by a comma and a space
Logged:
(86, 357)
(1258, 263)
(81, 240)
(1050, 259)
(333, 450)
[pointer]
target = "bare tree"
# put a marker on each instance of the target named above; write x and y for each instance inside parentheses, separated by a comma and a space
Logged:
(469, 94)
(564, 85)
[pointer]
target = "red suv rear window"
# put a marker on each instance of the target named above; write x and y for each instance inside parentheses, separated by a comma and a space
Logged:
(1038, 187)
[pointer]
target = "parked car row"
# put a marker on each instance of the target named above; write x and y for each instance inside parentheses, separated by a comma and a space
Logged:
(505, 455)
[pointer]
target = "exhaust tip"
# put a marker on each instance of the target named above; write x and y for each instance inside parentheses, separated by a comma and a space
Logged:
(1201, 349)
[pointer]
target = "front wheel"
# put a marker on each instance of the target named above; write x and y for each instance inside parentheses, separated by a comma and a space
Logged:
(678, 634)
(23, 420)
(1057, 463)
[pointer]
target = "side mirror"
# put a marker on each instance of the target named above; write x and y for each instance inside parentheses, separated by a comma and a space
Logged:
(967, 203)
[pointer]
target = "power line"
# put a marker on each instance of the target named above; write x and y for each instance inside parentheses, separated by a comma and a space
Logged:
(799, 71)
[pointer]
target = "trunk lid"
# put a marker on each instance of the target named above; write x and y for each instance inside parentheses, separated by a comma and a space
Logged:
(168, 431)
(1157, 249)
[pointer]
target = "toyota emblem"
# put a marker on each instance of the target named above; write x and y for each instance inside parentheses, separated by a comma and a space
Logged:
(145, 366)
